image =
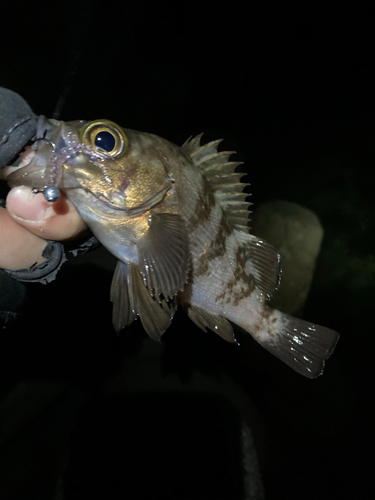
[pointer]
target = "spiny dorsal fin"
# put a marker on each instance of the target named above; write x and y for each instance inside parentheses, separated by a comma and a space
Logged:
(221, 175)
(191, 144)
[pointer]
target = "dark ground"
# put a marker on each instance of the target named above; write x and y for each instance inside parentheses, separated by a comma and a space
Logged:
(293, 93)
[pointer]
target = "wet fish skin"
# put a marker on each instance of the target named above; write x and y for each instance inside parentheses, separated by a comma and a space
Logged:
(176, 219)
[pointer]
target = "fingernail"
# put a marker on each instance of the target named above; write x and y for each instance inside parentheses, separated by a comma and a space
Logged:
(23, 204)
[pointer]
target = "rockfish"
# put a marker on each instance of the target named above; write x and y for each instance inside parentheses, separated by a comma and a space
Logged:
(176, 218)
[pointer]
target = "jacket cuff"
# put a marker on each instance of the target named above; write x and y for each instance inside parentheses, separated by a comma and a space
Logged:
(46, 271)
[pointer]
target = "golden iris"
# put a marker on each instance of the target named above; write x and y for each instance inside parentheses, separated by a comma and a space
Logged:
(106, 135)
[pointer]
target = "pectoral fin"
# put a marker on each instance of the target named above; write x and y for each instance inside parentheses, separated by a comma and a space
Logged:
(164, 255)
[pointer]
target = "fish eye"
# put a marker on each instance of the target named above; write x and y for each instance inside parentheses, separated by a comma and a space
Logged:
(105, 140)
(106, 135)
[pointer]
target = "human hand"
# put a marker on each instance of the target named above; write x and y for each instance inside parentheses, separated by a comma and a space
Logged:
(28, 221)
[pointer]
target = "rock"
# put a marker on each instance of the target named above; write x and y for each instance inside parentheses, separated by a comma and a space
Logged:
(297, 234)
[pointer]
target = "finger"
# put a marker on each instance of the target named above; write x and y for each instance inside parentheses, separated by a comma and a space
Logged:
(51, 221)
(19, 249)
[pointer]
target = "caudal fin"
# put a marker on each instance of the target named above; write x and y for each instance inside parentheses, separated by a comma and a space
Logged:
(301, 345)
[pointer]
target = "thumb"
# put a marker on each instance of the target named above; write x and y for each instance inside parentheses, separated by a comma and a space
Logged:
(51, 221)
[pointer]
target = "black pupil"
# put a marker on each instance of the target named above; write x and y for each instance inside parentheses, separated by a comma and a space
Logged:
(105, 140)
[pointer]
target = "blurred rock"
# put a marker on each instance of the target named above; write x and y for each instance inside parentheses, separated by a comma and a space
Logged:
(297, 234)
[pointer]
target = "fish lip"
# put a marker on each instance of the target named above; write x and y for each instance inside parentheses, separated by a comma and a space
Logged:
(132, 211)
(26, 158)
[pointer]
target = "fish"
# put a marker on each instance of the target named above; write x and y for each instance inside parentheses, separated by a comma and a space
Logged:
(177, 220)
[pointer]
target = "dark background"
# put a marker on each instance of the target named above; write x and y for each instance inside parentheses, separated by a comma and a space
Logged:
(292, 91)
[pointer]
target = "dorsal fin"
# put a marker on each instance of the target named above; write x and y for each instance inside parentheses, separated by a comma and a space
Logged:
(221, 175)
(191, 144)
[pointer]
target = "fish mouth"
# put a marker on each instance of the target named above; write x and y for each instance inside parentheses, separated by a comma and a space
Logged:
(115, 212)
(27, 155)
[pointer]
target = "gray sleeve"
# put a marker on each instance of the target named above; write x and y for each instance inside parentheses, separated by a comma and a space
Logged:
(17, 126)
(46, 271)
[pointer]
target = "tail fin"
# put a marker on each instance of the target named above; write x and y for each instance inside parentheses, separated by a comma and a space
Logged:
(301, 345)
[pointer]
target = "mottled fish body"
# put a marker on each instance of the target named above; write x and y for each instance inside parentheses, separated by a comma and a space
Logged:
(176, 219)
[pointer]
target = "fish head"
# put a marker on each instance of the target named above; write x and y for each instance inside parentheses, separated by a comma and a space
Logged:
(118, 169)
